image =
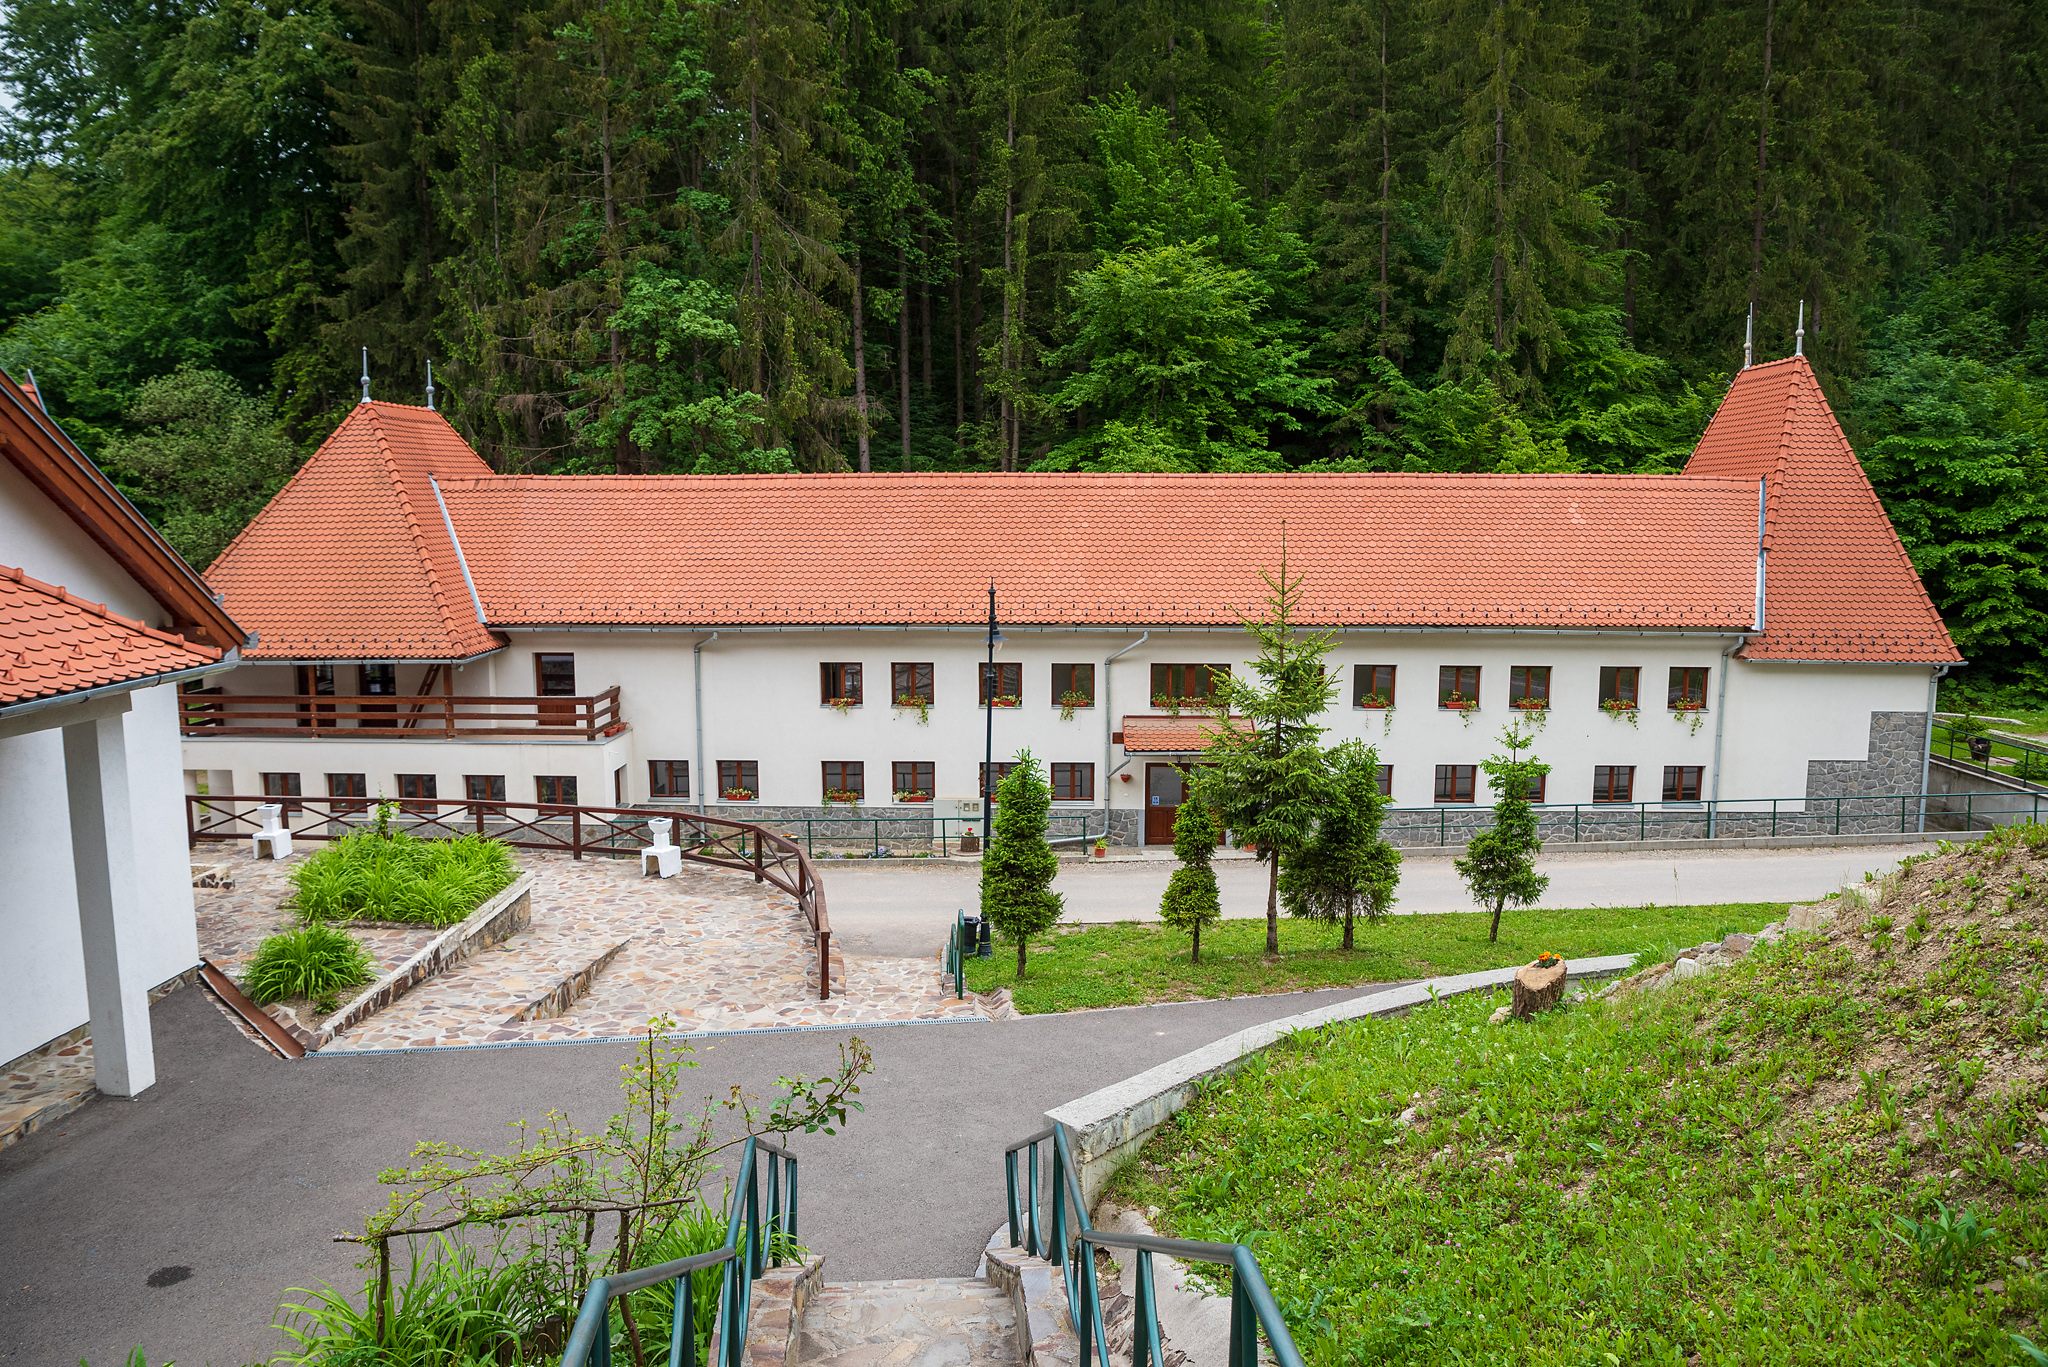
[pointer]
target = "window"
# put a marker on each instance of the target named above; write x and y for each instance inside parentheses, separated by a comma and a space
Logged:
(989, 785)
(1457, 687)
(668, 778)
(1529, 687)
(554, 676)
(1537, 786)
(1618, 684)
(911, 778)
(316, 681)
(839, 684)
(1073, 685)
(739, 780)
(282, 785)
(1614, 782)
(1183, 683)
(377, 681)
(845, 778)
(1073, 783)
(1372, 685)
(558, 790)
(619, 786)
(1682, 781)
(1009, 684)
(1688, 689)
(417, 789)
(1386, 780)
(910, 684)
(347, 785)
(1454, 782)
(484, 787)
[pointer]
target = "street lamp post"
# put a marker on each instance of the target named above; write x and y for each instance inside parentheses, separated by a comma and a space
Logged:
(988, 702)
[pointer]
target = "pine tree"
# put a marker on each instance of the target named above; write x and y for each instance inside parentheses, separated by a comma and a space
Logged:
(1346, 869)
(1192, 900)
(1499, 863)
(1018, 867)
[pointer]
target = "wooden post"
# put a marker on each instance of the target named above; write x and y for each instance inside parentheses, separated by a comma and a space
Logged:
(448, 700)
(575, 832)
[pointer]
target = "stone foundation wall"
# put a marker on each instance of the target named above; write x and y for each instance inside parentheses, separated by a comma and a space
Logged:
(1898, 740)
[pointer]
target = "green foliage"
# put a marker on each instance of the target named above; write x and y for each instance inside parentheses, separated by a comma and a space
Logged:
(1944, 1243)
(1267, 780)
(1346, 869)
(307, 961)
(1499, 863)
(1191, 900)
(1018, 867)
(398, 877)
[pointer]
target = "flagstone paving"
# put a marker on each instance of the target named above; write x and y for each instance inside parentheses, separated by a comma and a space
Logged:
(710, 949)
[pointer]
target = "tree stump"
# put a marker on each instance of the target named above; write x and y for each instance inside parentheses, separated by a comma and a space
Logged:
(1537, 989)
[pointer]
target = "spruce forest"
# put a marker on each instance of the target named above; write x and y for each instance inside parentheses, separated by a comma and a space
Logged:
(873, 235)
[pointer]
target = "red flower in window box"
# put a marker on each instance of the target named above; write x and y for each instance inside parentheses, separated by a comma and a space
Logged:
(913, 797)
(1689, 706)
(1529, 704)
(845, 795)
(1374, 700)
(737, 795)
(1005, 700)
(1458, 702)
(1617, 707)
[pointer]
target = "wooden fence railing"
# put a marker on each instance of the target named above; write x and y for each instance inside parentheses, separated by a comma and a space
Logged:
(210, 712)
(771, 857)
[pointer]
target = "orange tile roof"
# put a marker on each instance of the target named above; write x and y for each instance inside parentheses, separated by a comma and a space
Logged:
(1172, 735)
(351, 560)
(52, 643)
(1838, 585)
(1627, 551)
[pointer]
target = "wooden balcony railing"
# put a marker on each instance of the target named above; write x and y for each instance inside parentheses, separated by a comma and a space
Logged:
(210, 712)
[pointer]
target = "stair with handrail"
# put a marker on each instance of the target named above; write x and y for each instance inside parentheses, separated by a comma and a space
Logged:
(1041, 1304)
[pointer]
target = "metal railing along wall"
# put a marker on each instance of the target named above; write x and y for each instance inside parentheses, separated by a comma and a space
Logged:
(2026, 761)
(770, 856)
(1575, 822)
(1065, 1238)
(753, 1244)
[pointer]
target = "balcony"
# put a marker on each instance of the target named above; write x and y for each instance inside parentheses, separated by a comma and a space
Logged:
(211, 712)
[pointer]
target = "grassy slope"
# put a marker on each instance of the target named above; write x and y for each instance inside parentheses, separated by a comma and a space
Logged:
(1127, 962)
(1697, 1175)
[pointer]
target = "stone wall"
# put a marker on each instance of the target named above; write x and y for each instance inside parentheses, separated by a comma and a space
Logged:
(1891, 768)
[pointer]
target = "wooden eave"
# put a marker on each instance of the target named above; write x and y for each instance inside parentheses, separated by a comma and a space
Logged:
(35, 446)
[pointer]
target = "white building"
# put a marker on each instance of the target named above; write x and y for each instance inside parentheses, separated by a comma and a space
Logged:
(428, 629)
(100, 623)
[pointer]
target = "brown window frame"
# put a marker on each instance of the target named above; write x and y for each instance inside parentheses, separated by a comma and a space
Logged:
(911, 684)
(851, 776)
(1003, 768)
(661, 779)
(542, 686)
(1678, 691)
(1450, 687)
(839, 683)
(541, 788)
(1529, 684)
(314, 681)
(739, 776)
(1005, 672)
(1064, 776)
(1612, 681)
(1604, 786)
(286, 786)
(361, 785)
(1463, 778)
(1062, 685)
(905, 776)
(376, 679)
(1675, 781)
(418, 800)
(1538, 786)
(1386, 780)
(1175, 681)
(1365, 683)
(493, 787)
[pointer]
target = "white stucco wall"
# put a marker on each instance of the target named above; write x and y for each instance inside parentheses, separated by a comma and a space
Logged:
(39, 933)
(37, 538)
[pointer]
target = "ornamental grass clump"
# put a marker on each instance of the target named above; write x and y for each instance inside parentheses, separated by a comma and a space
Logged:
(312, 961)
(399, 877)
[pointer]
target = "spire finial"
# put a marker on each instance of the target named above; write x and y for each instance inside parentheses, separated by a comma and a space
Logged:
(430, 386)
(366, 375)
(1749, 336)
(1799, 337)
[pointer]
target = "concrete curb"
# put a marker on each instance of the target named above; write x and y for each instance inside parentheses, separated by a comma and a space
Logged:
(780, 1295)
(1110, 1124)
(504, 916)
(1038, 1294)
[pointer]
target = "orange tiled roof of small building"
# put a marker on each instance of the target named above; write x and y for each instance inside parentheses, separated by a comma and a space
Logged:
(1838, 585)
(1644, 552)
(351, 559)
(1173, 735)
(53, 643)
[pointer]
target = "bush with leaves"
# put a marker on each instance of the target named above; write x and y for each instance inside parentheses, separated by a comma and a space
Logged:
(310, 961)
(1346, 869)
(1192, 900)
(1018, 868)
(1499, 864)
(399, 877)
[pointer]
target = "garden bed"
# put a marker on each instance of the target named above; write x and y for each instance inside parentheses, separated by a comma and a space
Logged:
(1831, 1151)
(381, 876)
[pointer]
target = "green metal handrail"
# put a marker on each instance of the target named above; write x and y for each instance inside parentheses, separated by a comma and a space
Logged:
(1067, 1232)
(1638, 820)
(2029, 771)
(956, 955)
(752, 1246)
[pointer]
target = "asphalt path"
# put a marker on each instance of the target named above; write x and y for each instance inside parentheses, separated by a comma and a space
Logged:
(905, 907)
(241, 1167)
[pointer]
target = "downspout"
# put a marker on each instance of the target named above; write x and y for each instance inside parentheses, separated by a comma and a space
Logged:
(1108, 722)
(1927, 735)
(697, 668)
(1727, 659)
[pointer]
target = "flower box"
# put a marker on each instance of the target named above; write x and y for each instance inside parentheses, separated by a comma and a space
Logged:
(1374, 703)
(736, 795)
(1005, 701)
(1529, 704)
(913, 797)
(1688, 707)
(1458, 705)
(842, 795)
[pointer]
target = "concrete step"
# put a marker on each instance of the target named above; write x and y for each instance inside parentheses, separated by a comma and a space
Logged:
(932, 1322)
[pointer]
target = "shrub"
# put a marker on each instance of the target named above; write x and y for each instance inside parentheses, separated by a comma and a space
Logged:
(1192, 900)
(399, 877)
(311, 961)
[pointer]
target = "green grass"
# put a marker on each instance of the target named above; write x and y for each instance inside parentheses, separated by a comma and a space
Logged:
(1128, 963)
(1794, 1161)
(399, 877)
(311, 961)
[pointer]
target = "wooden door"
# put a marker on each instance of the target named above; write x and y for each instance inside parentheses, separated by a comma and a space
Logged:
(1165, 789)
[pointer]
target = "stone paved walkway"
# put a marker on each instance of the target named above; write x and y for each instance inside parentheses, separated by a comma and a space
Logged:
(940, 1322)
